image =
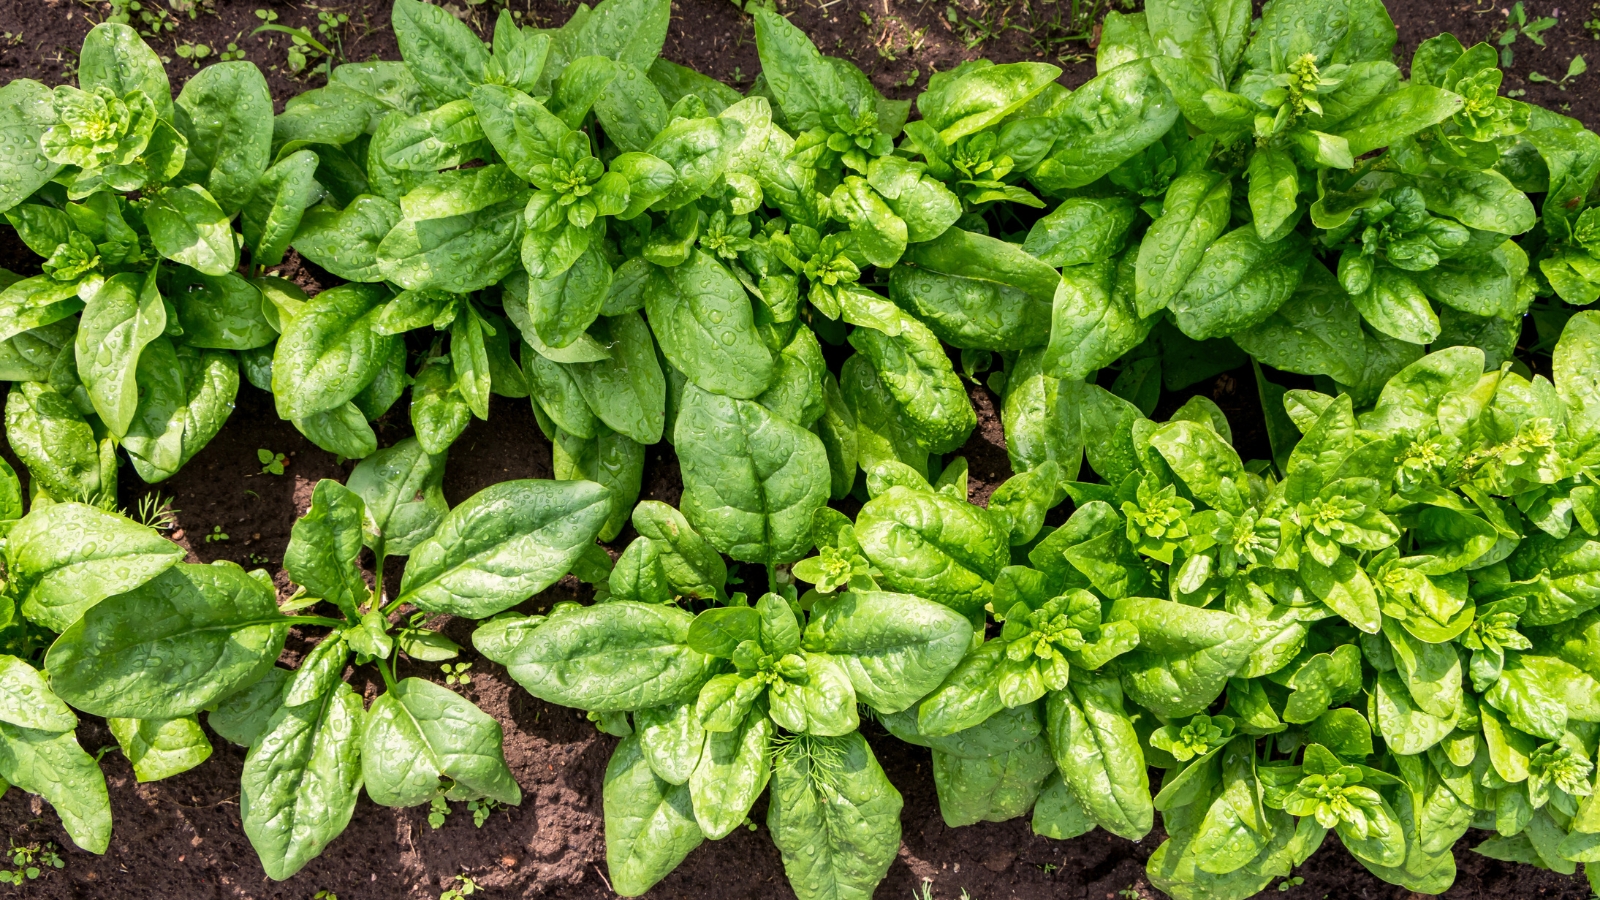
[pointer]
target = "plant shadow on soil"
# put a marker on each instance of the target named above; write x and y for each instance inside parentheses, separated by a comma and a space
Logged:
(181, 837)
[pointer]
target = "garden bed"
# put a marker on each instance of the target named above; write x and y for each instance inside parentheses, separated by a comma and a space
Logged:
(181, 837)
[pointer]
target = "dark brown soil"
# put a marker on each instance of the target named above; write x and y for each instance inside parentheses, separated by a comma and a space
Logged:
(181, 838)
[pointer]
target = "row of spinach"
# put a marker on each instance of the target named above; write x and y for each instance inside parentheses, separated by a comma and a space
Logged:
(1381, 632)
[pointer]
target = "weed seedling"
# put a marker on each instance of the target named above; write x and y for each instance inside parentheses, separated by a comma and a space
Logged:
(216, 535)
(28, 861)
(193, 52)
(438, 811)
(1574, 69)
(1288, 883)
(271, 463)
(1518, 23)
(155, 511)
(456, 673)
(465, 887)
(481, 810)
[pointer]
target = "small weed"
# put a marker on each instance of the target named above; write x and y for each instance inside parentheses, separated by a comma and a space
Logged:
(257, 559)
(324, 894)
(192, 51)
(1130, 893)
(1592, 24)
(11, 38)
(155, 511)
(456, 673)
(307, 53)
(911, 79)
(149, 19)
(737, 76)
(438, 811)
(481, 811)
(1518, 23)
(1574, 69)
(231, 52)
(271, 463)
(216, 535)
(1047, 868)
(1288, 883)
(466, 887)
(28, 861)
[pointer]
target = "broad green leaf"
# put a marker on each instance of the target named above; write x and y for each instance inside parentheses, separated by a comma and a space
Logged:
(703, 321)
(329, 352)
(751, 480)
(27, 702)
(834, 816)
(1098, 752)
(894, 647)
(502, 545)
(227, 119)
(418, 734)
(649, 823)
(118, 322)
(934, 546)
(610, 657)
(403, 497)
(64, 558)
(187, 226)
(52, 765)
(170, 647)
(301, 780)
(161, 748)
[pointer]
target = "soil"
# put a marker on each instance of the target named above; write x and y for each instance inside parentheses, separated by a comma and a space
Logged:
(181, 838)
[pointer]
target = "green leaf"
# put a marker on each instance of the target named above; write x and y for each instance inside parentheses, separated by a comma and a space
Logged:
(1193, 215)
(117, 324)
(895, 648)
(325, 548)
(26, 110)
(403, 497)
(502, 545)
(115, 57)
(227, 120)
(834, 816)
(1099, 755)
(345, 242)
(64, 558)
(733, 770)
(649, 823)
(170, 647)
(27, 702)
(418, 733)
(301, 780)
(704, 323)
(52, 765)
(1094, 319)
(934, 546)
(329, 352)
(243, 717)
(439, 49)
(1397, 115)
(1185, 655)
(751, 480)
(611, 657)
(187, 226)
(59, 447)
(161, 748)
(1239, 283)
(272, 216)
(1116, 114)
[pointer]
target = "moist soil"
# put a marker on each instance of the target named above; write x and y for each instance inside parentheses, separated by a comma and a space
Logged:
(181, 837)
